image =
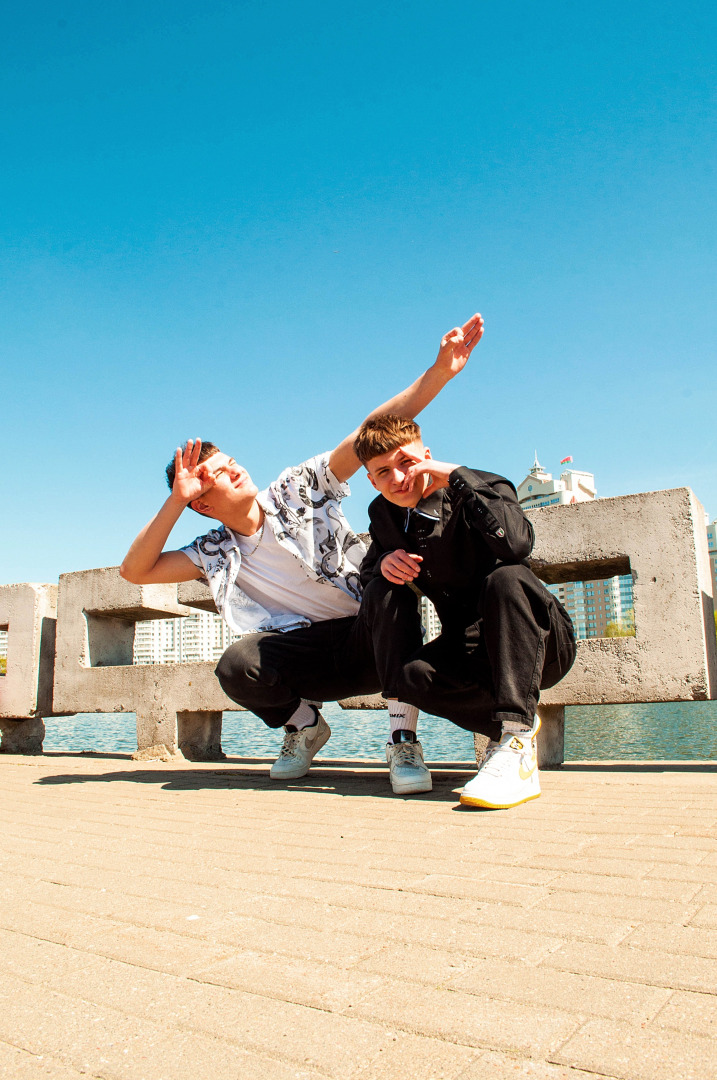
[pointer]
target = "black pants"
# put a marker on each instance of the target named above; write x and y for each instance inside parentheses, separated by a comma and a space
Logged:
(476, 676)
(491, 671)
(269, 673)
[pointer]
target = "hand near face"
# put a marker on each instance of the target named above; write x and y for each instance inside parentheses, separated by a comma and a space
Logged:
(190, 478)
(437, 473)
(399, 567)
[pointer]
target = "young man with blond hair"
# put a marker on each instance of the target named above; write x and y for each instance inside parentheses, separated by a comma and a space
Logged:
(283, 569)
(460, 536)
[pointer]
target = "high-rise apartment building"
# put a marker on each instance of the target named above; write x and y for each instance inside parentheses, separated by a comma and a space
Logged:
(200, 636)
(429, 619)
(712, 545)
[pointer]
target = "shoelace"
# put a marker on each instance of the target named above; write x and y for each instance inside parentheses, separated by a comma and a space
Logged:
(496, 764)
(407, 753)
(288, 748)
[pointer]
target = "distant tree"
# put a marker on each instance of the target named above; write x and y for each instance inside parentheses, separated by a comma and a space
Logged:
(3, 665)
(622, 628)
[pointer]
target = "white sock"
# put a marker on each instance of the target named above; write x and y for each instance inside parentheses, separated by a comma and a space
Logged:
(304, 715)
(402, 716)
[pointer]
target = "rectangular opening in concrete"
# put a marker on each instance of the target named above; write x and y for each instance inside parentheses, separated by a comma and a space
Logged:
(596, 593)
(200, 636)
(3, 649)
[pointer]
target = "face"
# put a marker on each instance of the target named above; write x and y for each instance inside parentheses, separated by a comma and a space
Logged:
(387, 473)
(234, 488)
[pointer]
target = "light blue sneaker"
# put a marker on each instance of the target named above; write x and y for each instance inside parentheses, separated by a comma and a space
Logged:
(408, 771)
(299, 749)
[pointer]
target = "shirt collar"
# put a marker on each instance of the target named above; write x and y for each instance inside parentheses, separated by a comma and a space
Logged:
(429, 507)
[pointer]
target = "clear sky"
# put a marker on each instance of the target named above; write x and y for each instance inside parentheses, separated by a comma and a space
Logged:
(252, 222)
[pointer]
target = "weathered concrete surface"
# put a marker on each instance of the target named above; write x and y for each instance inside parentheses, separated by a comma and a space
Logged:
(177, 705)
(177, 920)
(661, 534)
(29, 612)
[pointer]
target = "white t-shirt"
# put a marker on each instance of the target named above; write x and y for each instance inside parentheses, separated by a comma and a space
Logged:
(274, 577)
(303, 515)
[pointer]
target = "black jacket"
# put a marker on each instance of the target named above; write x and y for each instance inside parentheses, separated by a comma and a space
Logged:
(463, 532)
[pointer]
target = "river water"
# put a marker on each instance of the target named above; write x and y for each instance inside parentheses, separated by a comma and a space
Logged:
(677, 731)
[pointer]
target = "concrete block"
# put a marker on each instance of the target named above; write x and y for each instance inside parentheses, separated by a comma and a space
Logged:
(659, 537)
(29, 612)
(196, 594)
(178, 705)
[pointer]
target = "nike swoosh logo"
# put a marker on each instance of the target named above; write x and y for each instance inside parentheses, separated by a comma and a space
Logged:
(524, 773)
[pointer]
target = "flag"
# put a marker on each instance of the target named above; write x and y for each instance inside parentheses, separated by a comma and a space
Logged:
(566, 460)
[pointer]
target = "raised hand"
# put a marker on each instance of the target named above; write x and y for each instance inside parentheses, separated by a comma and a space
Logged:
(458, 344)
(438, 473)
(399, 567)
(190, 478)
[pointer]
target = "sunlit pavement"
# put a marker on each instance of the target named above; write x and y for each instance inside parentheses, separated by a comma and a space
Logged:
(167, 920)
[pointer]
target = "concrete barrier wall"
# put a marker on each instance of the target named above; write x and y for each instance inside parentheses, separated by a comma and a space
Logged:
(30, 613)
(658, 537)
(176, 705)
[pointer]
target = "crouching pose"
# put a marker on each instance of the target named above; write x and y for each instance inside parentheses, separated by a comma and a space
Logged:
(460, 536)
(283, 569)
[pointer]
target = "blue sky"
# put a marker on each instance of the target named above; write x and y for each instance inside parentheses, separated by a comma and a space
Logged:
(252, 222)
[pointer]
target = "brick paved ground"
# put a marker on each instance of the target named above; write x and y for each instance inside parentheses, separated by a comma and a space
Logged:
(165, 921)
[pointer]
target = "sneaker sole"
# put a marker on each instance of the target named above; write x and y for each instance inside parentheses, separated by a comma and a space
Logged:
(412, 788)
(292, 775)
(467, 800)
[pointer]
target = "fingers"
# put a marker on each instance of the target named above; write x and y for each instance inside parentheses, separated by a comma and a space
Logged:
(195, 453)
(475, 322)
(413, 471)
(473, 332)
(207, 477)
(453, 337)
(400, 567)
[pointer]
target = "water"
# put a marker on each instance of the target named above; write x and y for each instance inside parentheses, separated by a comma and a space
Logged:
(681, 731)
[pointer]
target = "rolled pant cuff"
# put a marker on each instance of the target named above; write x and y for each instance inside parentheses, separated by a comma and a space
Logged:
(516, 721)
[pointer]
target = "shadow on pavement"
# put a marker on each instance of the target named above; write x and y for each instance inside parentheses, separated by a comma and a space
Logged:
(364, 779)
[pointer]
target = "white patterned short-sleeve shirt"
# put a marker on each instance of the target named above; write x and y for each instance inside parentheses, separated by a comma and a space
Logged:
(303, 509)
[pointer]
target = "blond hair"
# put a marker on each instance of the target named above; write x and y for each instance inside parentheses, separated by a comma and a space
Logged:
(380, 434)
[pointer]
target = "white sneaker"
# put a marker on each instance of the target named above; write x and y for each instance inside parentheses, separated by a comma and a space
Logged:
(409, 773)
(299, 749)
(508, 775)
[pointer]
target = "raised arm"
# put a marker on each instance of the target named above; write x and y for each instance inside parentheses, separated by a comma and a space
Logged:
(146, 563)
(456, 347)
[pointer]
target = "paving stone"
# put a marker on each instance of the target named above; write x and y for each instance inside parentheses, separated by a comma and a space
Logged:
(705, 916)
(634, 908)
(18, 1064)
(696, 1013)
(625, 886)
(119, 1047)
(408, 1057)
(584, 994)
(481, 890)
(318, 984)
(493, 1065)
(687, 940)
(468, 1020)
(638, 1053)
(636, 965)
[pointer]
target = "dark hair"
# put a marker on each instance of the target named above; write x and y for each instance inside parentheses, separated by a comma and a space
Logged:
(208, 448)
(383, 433)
